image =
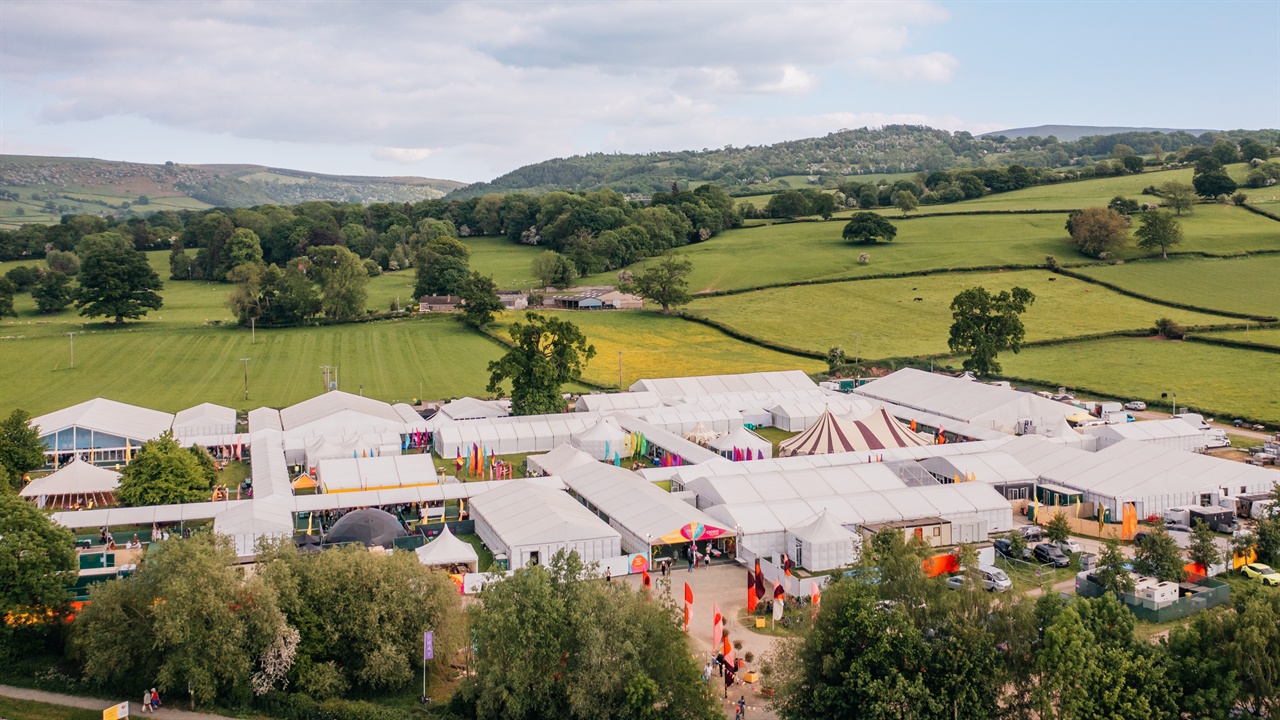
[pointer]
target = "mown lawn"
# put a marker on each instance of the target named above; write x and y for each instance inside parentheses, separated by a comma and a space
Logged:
(888, 322)
(653, 345)
(174, 368)
(1220, 381)
(1261, 336)
(1247, 285)
(13, 709)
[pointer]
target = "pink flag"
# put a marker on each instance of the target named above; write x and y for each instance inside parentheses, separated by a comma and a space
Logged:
(688, 605)
(717, 627)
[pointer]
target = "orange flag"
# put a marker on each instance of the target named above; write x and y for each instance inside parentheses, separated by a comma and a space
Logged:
(727, 651)
(815, 597)
(751, 592)
(644, 579)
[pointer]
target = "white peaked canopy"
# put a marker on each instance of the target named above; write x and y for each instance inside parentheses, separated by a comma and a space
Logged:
(446, 550)
(822, 543)
(256, 519)
(749, 446)
(603, 440)
(700, 435)
(469, 408)
(559, 461)
(76, 479)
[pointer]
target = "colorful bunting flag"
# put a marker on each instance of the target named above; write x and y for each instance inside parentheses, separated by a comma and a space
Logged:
(688, 605)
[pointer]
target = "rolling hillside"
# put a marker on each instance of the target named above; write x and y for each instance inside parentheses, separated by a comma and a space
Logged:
(48, 187)
(1067, 133)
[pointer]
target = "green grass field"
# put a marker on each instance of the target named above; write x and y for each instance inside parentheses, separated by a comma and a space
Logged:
(1259, 336)
(12, 709)
(173, 368)
(1246, 285)
(1217, 380)
(889, 322)
(815, 250)
(656, 346)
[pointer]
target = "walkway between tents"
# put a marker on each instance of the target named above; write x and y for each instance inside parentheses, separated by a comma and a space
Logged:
(95, 704)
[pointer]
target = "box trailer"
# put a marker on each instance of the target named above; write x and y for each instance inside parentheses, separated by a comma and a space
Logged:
(1218, 519)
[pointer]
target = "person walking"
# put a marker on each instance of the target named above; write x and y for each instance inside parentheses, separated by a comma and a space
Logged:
(690, 557)
(742, 708)
(146, 701)
(608, 575)
(155, 700)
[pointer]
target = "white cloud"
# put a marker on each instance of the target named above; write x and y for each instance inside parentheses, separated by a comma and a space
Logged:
(403, 155)
(506, 82)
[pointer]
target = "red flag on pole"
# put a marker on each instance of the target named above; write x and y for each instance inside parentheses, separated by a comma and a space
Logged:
(752, 598)
(688, 605)
(787, 564)
(815, 597)
(717, 625)
(727, 651)
(760, 591)
(779, 596)
(644, 579)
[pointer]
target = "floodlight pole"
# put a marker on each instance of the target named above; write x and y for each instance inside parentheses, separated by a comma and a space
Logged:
(620, 388)
(73, 349)
(246, 376)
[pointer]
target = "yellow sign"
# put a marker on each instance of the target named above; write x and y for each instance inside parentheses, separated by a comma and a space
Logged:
(116, 712)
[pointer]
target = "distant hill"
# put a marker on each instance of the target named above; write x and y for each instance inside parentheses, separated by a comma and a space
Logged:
(840, 156)
(1067, 133)
(48, 186)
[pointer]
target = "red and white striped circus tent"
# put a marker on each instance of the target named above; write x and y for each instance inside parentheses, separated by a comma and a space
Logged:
(832, 434)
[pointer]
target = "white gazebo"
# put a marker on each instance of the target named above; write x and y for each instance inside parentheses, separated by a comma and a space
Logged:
(603, 440)
(701, 435)
(447, 551)
(77, 482)
(742, 444)
(823, 543)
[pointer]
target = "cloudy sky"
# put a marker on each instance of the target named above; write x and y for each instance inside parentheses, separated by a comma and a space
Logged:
(468, 91)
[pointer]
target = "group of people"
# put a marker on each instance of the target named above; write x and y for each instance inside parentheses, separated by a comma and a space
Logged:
(729, 671)
(150, 700)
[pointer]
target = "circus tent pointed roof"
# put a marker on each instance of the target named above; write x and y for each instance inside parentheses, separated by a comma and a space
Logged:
(831, 434)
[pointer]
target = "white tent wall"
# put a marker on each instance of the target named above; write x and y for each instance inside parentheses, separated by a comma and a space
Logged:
(204, 419)
(603, 440)
(1175, 433)
(823, 556)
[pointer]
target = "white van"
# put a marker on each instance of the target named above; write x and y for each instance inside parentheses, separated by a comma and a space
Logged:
(1216, 438)
(993, 578)
(1195, 419)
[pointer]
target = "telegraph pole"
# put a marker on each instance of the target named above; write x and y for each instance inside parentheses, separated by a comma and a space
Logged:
(73, 349)
(245, 360)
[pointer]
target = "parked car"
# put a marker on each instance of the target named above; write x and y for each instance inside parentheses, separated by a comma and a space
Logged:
(1005, 548)
(1135, 405)
(1031, 533)
(1050, 554)
(1262, 573)
(1070, 546)
(993, 579)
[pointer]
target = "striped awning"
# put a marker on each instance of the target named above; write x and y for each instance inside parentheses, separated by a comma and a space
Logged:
(831, 434)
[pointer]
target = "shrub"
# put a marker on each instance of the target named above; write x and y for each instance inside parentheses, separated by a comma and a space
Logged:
(864, 259)
(372, 268)
(1170, 329)
(1051, 261)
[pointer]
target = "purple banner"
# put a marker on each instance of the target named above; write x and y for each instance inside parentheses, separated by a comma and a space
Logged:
(428, 645)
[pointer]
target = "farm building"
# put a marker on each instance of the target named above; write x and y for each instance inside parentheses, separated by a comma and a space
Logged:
(447, 551)
(822, 544)
(595, 298)
(513, 300)
(742, 445)
(1153, 477)
(1173, 433)
(528, 523)
(100, 431)
(646, 516)
(968, 401)
(204, 420)
(76, 484)
(438, 303)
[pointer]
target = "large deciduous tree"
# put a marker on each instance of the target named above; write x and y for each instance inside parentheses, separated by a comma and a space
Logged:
(480, 301)
(1159, 231)
(342, 279)
(6, 298)
(546, 353)
(984, 324)
(1097, 231)
(162, 472)
(21, 449)
(553, 270)
(442, 267)
(1204, 547)
(665, 283)
(188, 622)
(37, 564)
(1158, 556)
(53, 293)
(1179, 196)
(906, 201)
(551, 644)
(115, 279)
(869, 227)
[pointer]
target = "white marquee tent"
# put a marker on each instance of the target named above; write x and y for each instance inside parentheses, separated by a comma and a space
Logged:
(1174, 433)
(747, 444)
(510, 435)
(800, 415)
(615, 402)
(823, 543)
(203, 420)
(559, 461)
(967, 400)
(446, 550)
(674, 390)
(76, 481)
(257, 519)
(603, 440)
(529, 523)
(469, 408)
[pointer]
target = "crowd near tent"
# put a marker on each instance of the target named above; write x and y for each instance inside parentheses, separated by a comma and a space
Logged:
(529, 523)
(1174, 433)
(78, 483)
(603, 440)
(559, 461)
(822, 544)
(644, 515)
(742, 445)
(447, 551)
(968, 401)
(370, 527)
(101, 431)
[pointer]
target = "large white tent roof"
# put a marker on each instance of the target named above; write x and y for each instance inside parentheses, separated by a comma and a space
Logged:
(742, 439)
(993, 468)
(793, 484)
(645, 510)
(1148, 430)
(204, 419)
(447, 549)
(469, 408)
(264, 418)
(522, 513)
(822, 528)
(76, 478)
(613, 402)
(109, 417)
(964, 400)
(562, 459)
(354, 412)
(675, 389)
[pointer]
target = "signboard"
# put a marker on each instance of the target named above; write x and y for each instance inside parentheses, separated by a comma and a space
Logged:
(116, 712)
(428, 645)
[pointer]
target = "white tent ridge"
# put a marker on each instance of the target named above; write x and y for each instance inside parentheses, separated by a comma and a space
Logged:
(446, 550)
(522, 520)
